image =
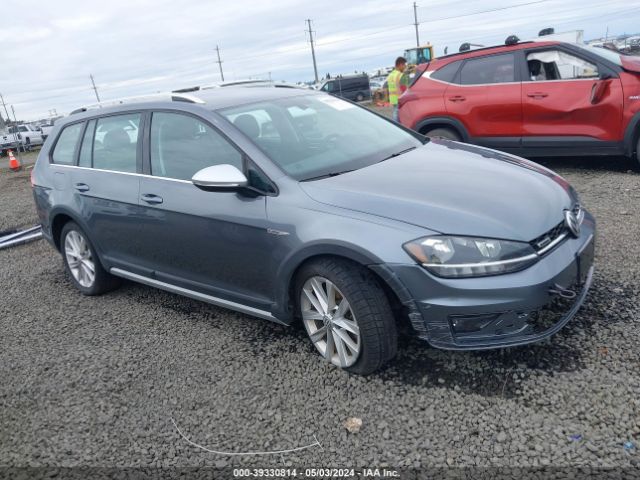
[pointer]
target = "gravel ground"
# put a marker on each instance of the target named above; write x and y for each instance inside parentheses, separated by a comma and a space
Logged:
(100, 381)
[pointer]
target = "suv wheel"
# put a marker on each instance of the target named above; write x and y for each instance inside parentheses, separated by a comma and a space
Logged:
(82, 263)
(443, 133)
(346, 315)
(359, 97)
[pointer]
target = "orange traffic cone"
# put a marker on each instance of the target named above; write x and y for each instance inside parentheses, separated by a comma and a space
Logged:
(14, 164)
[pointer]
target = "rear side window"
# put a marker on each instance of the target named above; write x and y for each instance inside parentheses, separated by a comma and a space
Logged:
(446, 73)
(181, 145)
(115, 143)
(86, 149)
(66, 145)
(486, 70)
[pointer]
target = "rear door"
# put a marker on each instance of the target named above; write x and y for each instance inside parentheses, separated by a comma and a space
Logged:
(558, 107)
(105, 183)
(486, 97)
(211, 242)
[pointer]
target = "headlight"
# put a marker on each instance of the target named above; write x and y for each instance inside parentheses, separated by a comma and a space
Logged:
(459, 257)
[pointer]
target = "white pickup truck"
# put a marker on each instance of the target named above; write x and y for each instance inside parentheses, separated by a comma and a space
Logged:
(22, 136)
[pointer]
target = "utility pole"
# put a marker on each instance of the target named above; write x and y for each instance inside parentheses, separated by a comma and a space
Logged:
(95, 89)
(313, 52)
(5, 108)
(219, 62)
(415, 19)
(15, 126)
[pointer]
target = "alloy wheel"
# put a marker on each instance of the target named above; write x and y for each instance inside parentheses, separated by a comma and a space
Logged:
(79, 259)
(330, 322)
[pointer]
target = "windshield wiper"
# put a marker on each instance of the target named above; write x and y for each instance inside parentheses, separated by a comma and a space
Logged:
(326, 175)
(397, 154)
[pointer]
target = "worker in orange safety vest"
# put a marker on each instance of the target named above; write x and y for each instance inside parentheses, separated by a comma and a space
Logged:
(396, 84)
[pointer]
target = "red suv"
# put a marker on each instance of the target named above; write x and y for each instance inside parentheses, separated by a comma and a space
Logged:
(535, 99)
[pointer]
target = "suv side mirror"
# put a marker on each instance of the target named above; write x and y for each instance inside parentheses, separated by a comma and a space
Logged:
(219, 178)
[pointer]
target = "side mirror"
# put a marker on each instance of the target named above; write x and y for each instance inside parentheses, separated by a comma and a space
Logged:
(219, 178)
(605, 76)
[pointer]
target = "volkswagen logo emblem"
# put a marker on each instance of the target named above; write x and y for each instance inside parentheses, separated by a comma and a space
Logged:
(571, 221)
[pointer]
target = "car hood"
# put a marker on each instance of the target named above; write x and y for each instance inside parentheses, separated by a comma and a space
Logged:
(453, 188)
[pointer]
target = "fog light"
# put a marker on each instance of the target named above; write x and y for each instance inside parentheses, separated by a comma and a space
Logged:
(472, 323)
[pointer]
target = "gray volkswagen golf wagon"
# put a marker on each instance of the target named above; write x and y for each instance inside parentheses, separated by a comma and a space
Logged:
(289, 205)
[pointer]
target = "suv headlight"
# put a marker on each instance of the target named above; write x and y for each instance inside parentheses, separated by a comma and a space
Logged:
(459, 257)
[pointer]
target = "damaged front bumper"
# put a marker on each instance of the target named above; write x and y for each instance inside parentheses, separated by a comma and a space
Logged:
(499, 311)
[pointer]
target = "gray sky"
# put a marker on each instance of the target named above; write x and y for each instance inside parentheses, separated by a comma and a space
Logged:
(49, 48)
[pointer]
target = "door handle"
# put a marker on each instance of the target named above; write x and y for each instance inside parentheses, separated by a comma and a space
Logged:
(537, 95)
(457, 98)
(151, 198)
(82, 187)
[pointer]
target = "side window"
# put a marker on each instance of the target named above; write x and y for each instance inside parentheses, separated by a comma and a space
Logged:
(66, 144)
(115, 143)
(447, 73)
(181, 145)
(558, 65)
(485, 70)
(86, 149)
(328, 87)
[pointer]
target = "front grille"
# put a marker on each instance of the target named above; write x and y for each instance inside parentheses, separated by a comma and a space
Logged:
(546, 238)
(541, 243)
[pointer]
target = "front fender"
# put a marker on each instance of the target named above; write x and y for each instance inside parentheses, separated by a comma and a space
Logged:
(285, 274)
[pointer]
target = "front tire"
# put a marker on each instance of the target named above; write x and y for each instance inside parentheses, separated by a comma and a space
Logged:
(346, 315)
(637, 165)
(82, 263)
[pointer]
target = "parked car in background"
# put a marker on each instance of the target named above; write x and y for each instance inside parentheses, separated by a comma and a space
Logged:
(20, 137)
(375, 85)
(45, 130)
(351, 87)
(534, 98)
(293, 205)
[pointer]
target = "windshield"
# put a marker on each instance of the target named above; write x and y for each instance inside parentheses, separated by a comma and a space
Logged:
(603, 52)
(315, 135)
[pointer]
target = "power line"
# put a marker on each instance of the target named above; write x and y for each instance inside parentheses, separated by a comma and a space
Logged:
(486, 11)
(219, 62)
(313, 52)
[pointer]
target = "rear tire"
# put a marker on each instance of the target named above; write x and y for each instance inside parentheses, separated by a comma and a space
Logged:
(446, 133)
(354, 327)
(359, 97)
(637, 162)
(82, 263)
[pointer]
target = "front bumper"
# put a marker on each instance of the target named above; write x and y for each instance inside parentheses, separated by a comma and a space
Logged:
(499, 311)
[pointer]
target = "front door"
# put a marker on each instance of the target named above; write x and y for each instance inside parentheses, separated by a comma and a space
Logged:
(565, 103)
(212, 242)
(486, 98)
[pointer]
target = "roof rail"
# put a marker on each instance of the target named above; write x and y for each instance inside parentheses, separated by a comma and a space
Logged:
(465, 52)
(156, 97)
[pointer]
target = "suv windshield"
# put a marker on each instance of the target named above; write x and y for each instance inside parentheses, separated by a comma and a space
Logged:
(319, 135)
